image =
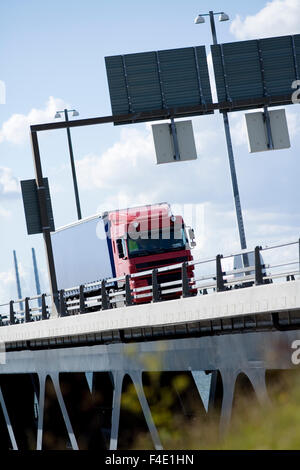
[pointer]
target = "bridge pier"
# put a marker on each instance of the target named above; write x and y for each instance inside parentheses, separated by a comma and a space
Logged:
(228, 380)
(118, 377)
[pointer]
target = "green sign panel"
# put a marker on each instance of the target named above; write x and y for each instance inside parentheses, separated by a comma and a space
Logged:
(260, 68)
(151, 81)
(32, 208)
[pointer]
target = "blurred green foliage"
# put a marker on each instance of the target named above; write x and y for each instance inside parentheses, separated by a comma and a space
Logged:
(275, 425)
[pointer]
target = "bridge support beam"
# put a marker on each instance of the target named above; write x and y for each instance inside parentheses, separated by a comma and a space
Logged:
(138, 383)
(258, 381)
(8, 423)
(55, 380)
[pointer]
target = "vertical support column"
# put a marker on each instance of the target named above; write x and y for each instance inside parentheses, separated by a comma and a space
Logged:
(228, 380)
(81, 299)
(156, 291)
(105, 302)
(62, 304)
(215, 392)
(12, 319)
(128, 296)
(219, 274)
(27, 311)
(44, 307)
(45, 221)
(137, 380)
(185, 281)
(258, 267)
(115, 417)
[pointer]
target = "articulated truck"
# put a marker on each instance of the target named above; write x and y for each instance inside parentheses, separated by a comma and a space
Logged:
(121, 242)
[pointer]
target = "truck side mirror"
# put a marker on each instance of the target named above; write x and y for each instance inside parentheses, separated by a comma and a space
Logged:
(192, 237)
(120, 248)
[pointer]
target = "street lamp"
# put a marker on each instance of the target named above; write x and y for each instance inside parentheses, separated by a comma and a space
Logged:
(224, 17)
(59, 115)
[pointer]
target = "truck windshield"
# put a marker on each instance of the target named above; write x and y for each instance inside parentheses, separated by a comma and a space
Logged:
(162, 241)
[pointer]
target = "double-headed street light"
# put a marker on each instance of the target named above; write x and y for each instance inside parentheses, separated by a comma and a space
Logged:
(201, 19)
(59, 115)
(224, 17)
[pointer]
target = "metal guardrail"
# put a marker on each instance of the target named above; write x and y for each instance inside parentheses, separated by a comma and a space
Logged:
(100, 295)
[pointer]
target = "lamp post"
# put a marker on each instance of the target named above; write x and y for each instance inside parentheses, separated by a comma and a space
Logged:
(75, 113)
(224, 17)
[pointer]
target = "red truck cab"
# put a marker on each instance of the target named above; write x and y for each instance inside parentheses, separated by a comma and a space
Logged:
(148, 237)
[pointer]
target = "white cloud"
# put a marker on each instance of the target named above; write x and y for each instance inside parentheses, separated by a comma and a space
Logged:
(8, 183)
(16, 129)
(7, 284)
(238, 129)
(130, 156)
(277, 18)
(127, 170)
(4, 212)
(293, 123)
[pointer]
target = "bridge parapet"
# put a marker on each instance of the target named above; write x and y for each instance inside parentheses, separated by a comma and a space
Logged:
(222, 287)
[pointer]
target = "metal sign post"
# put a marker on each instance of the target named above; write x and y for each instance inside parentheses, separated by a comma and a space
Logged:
(236, 194)
(45, 220)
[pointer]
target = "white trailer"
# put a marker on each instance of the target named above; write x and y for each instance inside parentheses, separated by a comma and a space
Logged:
(82, 253)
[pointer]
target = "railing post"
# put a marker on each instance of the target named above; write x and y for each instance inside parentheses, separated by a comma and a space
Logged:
(12, 319)
(185, 281)
(81, 299)
(219, 274)
(156, 292)
(27, 311)
(128, 296)
(104, 297)
(44, 308)
(258, 267)
(62, 304)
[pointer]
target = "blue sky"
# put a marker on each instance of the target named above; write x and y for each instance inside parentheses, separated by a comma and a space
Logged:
(52, 56)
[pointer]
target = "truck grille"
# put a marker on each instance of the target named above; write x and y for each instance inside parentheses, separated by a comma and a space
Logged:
(160, 264)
